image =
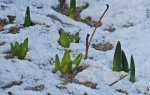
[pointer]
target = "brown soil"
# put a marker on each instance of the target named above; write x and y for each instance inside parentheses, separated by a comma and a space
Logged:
(8, 56)
(129, 24)
(12, 83)
(14, 30)
(2, 43)
(103, 46)
(2, 7)
(11, 18)
(36, 88)
(1, 28)
(64, 9)
(3, 22)
(110, 29)
(70, 78)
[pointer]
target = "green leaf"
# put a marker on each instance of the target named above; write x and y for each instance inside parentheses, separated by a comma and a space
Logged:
(72, 9)
(66, 58)
(124, 62)
(15, 49)
(64, 68)
(76, 37)
(63, 40)
(57, 63)
(25, 43)
(71, 39)
(22, 52)
(65, 64)
(70, 67)
(132, 72)
(27, 21)
(77, 61)
(117, 61)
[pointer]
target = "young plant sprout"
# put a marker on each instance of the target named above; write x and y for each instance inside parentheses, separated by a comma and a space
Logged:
(117, 61)
(66, 39)
(125, 66)
(27, 20)
(72, 11)
(67, 65)
(132, 68)
(19, 50)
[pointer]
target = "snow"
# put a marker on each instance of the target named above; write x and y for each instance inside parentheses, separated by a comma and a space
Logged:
(43, 46)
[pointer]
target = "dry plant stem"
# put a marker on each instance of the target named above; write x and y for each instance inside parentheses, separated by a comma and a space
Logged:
(118, 80)
(98, 23)
(87, 46)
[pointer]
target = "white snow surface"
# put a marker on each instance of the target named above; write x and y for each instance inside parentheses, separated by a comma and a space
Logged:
(43, 46)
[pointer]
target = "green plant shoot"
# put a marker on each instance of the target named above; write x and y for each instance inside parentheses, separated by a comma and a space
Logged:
(132, 68)
(117, 61)
(67, 65)
(76, 37)
(65, 39)
(72, 10)
(27, 20)
(125, 66)
(19, 50)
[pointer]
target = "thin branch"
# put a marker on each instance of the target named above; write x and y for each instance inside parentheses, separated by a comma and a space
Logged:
(99, 21)
(118, 80)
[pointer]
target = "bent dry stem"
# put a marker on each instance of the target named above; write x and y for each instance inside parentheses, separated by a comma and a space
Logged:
(97, 24)
(87, 46)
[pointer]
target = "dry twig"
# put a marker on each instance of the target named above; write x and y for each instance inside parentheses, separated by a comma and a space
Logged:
(97, 24)
(118, 80)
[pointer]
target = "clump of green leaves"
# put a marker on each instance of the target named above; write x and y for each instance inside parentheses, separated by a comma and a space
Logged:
(72, 10)
(120, 62)
(27, 20)
(132, 68)
(67, 65)
(19, 50)
(65, 39)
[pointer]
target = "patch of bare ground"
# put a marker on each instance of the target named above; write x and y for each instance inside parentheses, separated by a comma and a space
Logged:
(3, 7)
(8, 55)
(14, 30)
(105, 46)
(2, 43)
(11, 18)
(127, 25)
(10, 93)
(64, 9)
(122, 91)
(3, 22)
(36, 88)
(55, 18)
(12, 83)
(70, 78)
(110, 29)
